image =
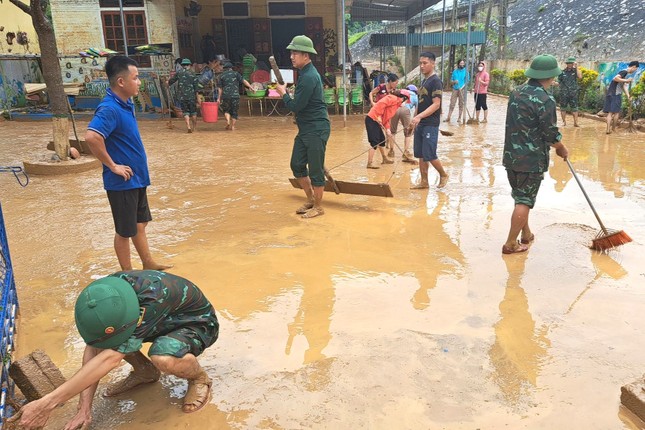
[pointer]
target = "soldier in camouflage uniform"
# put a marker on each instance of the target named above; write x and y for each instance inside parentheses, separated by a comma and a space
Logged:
(229, 93)
(568, 81)
(531, 131)
(115, 315)
(187, 91)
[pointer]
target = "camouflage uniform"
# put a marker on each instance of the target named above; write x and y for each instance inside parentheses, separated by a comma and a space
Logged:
(531, 129)
(174, 315)
(186, 90)
(229, 81)
(568, 80)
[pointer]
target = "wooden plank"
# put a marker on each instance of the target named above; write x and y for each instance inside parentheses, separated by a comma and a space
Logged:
(360, 188)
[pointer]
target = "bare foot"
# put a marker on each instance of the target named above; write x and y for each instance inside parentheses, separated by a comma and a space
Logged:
(156, 266)
(420, 186)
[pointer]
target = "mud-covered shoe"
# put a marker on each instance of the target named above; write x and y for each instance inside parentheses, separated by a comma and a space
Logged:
(314, 212)
(304, 208)
(198, 394)
(372, 166)
(133, 380)
(387, 161)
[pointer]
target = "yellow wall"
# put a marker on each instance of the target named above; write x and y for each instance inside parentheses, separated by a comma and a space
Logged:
(15, 20)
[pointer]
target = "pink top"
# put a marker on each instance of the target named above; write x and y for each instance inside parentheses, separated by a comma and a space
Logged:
(482, 79)
(383, 111)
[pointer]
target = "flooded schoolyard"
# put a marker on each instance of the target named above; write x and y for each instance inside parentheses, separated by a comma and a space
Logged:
(385, 313)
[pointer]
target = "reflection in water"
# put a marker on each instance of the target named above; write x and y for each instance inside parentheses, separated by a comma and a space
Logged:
(604, 266)
(446, 254)
(518, 349)
(608, 172)
(559, 171)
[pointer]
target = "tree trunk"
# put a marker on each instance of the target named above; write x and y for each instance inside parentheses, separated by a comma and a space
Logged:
(51, 73)
(482, 51)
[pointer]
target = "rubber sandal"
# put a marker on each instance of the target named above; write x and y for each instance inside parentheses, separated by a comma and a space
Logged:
(518, 248)
(128, 383)
(304, 208)
(529, 240)
(198, 394)
(371, 166)
(313, 212)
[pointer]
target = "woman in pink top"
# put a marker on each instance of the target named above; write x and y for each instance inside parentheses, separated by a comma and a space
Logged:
(482, 79)
(378, 119)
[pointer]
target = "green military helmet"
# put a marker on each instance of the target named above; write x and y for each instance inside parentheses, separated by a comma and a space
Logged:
(543, 67)
(303, 44)
(186, 62)
(107, 312)
(571, 60)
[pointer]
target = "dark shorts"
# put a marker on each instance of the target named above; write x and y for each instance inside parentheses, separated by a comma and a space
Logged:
(188, 339)
(569, 101)
(480, 102)
(129, 208)
(613, 103)
(525, 186)
(308, 157)
(375, 135)
(188, 107)
(230, 106)
(425, 142)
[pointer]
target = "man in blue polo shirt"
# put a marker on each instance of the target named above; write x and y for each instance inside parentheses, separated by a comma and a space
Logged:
(113, 137)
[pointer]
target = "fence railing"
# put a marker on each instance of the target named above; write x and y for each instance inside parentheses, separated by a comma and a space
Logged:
(8, 313)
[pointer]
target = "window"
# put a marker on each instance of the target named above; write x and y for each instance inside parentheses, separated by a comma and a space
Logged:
(235, 9)
(135, 29)
(287, 8)
(126, 3)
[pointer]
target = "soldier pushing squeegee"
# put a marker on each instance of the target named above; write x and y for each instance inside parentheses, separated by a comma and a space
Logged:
(308, 155)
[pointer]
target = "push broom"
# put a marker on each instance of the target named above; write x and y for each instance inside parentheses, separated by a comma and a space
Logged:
(606, 238)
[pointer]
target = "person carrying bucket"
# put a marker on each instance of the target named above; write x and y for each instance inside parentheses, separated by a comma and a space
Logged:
(229, 93)
(187, 89)
(308, 104)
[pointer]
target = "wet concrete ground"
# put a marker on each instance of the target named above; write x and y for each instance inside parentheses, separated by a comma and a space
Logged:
(384, 313)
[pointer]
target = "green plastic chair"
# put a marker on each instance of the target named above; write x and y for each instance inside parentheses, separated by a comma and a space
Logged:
(343, 100)
(357, 98)
(329, 96)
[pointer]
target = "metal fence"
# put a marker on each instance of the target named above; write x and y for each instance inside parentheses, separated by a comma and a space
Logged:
(8, 314)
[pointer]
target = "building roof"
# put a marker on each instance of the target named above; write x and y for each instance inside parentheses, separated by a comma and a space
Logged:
(388, 10)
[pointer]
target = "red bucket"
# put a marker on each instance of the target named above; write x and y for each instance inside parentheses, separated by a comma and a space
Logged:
(210, 111)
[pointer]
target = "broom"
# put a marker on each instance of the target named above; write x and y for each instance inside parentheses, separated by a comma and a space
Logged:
(606, 238)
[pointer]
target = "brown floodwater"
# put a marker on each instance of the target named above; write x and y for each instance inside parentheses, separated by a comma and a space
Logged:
(384, 313)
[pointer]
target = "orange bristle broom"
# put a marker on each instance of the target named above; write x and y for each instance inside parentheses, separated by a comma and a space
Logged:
(606, 238)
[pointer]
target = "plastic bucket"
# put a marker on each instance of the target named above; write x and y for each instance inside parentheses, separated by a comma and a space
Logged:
(210, 111)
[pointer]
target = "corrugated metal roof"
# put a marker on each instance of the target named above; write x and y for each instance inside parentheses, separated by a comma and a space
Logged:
(429, 39)
(388, 10)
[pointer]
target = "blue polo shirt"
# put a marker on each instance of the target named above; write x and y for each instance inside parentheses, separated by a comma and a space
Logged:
(114, 120)
(461, 76)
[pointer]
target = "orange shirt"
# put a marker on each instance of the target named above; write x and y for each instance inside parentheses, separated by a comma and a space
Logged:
(384, 110)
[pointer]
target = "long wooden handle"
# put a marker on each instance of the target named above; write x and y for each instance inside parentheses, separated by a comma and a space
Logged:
(602, 226)
(276, 70)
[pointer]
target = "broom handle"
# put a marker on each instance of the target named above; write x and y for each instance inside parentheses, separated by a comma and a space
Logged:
(602, 226)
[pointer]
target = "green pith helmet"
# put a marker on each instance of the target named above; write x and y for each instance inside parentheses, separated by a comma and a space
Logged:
(543, 67)
(303, 44)
(186, 62)
(107, 312)
(571, 60)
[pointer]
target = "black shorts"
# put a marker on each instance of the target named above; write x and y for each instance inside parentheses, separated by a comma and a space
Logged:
(375, 135)
(480, 102)
(129, 208)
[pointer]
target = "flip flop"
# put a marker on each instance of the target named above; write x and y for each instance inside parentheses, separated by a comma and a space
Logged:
(198, 394)
(529, 240)
(304, 208)
(313, 212)
(519, 248)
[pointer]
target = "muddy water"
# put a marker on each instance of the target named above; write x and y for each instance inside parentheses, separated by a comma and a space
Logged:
(384, 313)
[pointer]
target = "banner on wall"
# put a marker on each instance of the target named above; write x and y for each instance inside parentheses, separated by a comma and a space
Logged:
(607, 72)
